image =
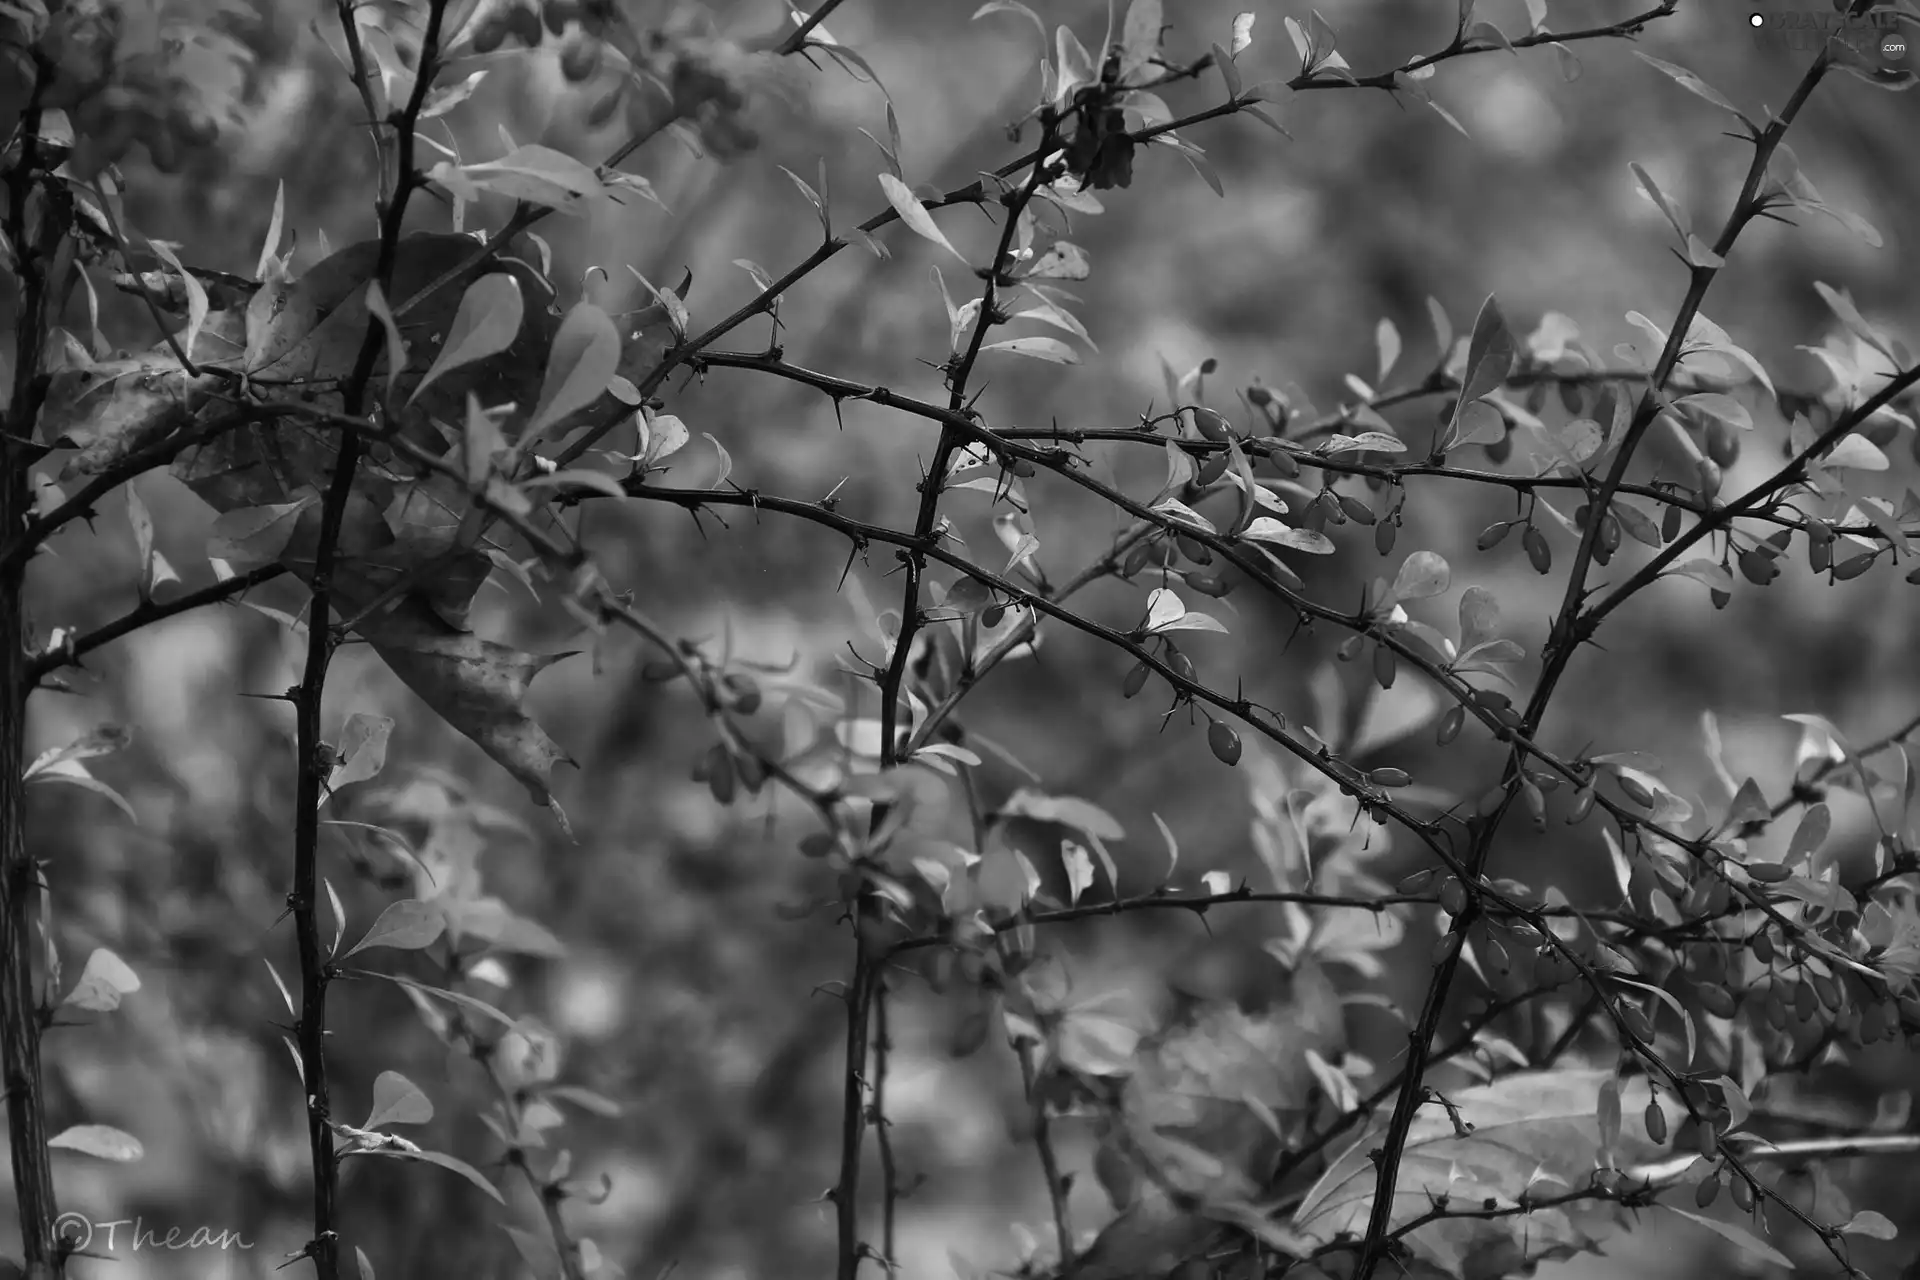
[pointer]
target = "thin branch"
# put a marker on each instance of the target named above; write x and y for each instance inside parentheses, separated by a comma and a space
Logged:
(882, 1128)
(313, 762)
(148, 612)
(1561, 646)
(35, 1195)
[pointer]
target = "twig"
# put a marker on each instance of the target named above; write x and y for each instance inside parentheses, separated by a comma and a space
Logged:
(882, 1127)
(151, 611)
(313, 762)
(1560, 649)
(33, 1187)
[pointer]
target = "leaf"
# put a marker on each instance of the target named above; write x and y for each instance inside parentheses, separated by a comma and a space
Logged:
(196, 296)
(397, 1100)
(1073, 64)
(1607, 1114)
(1736, 1233)
(538, 175)
(99, 1140)
(489, 920)
(1139, 35)
(1068, 811)
(665, 435)
(1014, 6)
(1079, 867)
(814, 198)
(1479, 618)
(446, 98)
(376, 303)
(447, 1162)
(1711, 573)
(1448, 116)
(1051, 350)
(142, 522)
(537, 1251)
(1490, 353)
(1810, 834)
(481, 441)
(1875, 1226)
(1387, 339)
(476, 686)
(1525, 1127)
(1229, 74)
(1675, 215)
(914, 214)
(726, 459)
(339, 917)
(1195, 622)
(254, 536)
(1261, 114)
(1242, 33)
(1477, 423)
(1691, 83)
(584, 358)
(102, 983)
(1204, 167)
(1422, 575)
(105, 740)
(1856, 453)
(460, 999)
(270, 247)
(1370, 441)
(362, 749)
(1096, 1045)
(486, 324)
(668, 301)
(1061, 261)
(1267, 529)
(598, 481)
(407, 925)
(75, 774)
(1718, 405)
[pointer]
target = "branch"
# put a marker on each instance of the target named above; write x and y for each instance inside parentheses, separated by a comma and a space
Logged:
(20, 884)
(150, 611)
(1560, 649)
(1719, 517)
(313, 760)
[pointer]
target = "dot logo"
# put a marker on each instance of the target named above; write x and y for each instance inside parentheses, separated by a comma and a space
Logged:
(1808, 29)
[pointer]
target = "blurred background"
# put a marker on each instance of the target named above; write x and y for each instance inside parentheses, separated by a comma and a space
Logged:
(689, 989)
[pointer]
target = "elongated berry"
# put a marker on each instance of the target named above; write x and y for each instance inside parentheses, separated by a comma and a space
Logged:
(1538, 552)
(1656, 1121)
(1212, 425)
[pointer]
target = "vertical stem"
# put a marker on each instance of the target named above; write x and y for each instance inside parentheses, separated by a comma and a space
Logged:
(882, 1133)
(846, 1192)
(1564, 638)
(19, 878)
(316, 967)
(19, 881)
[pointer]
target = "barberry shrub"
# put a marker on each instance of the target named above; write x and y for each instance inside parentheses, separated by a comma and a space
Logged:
(1413, 1045)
